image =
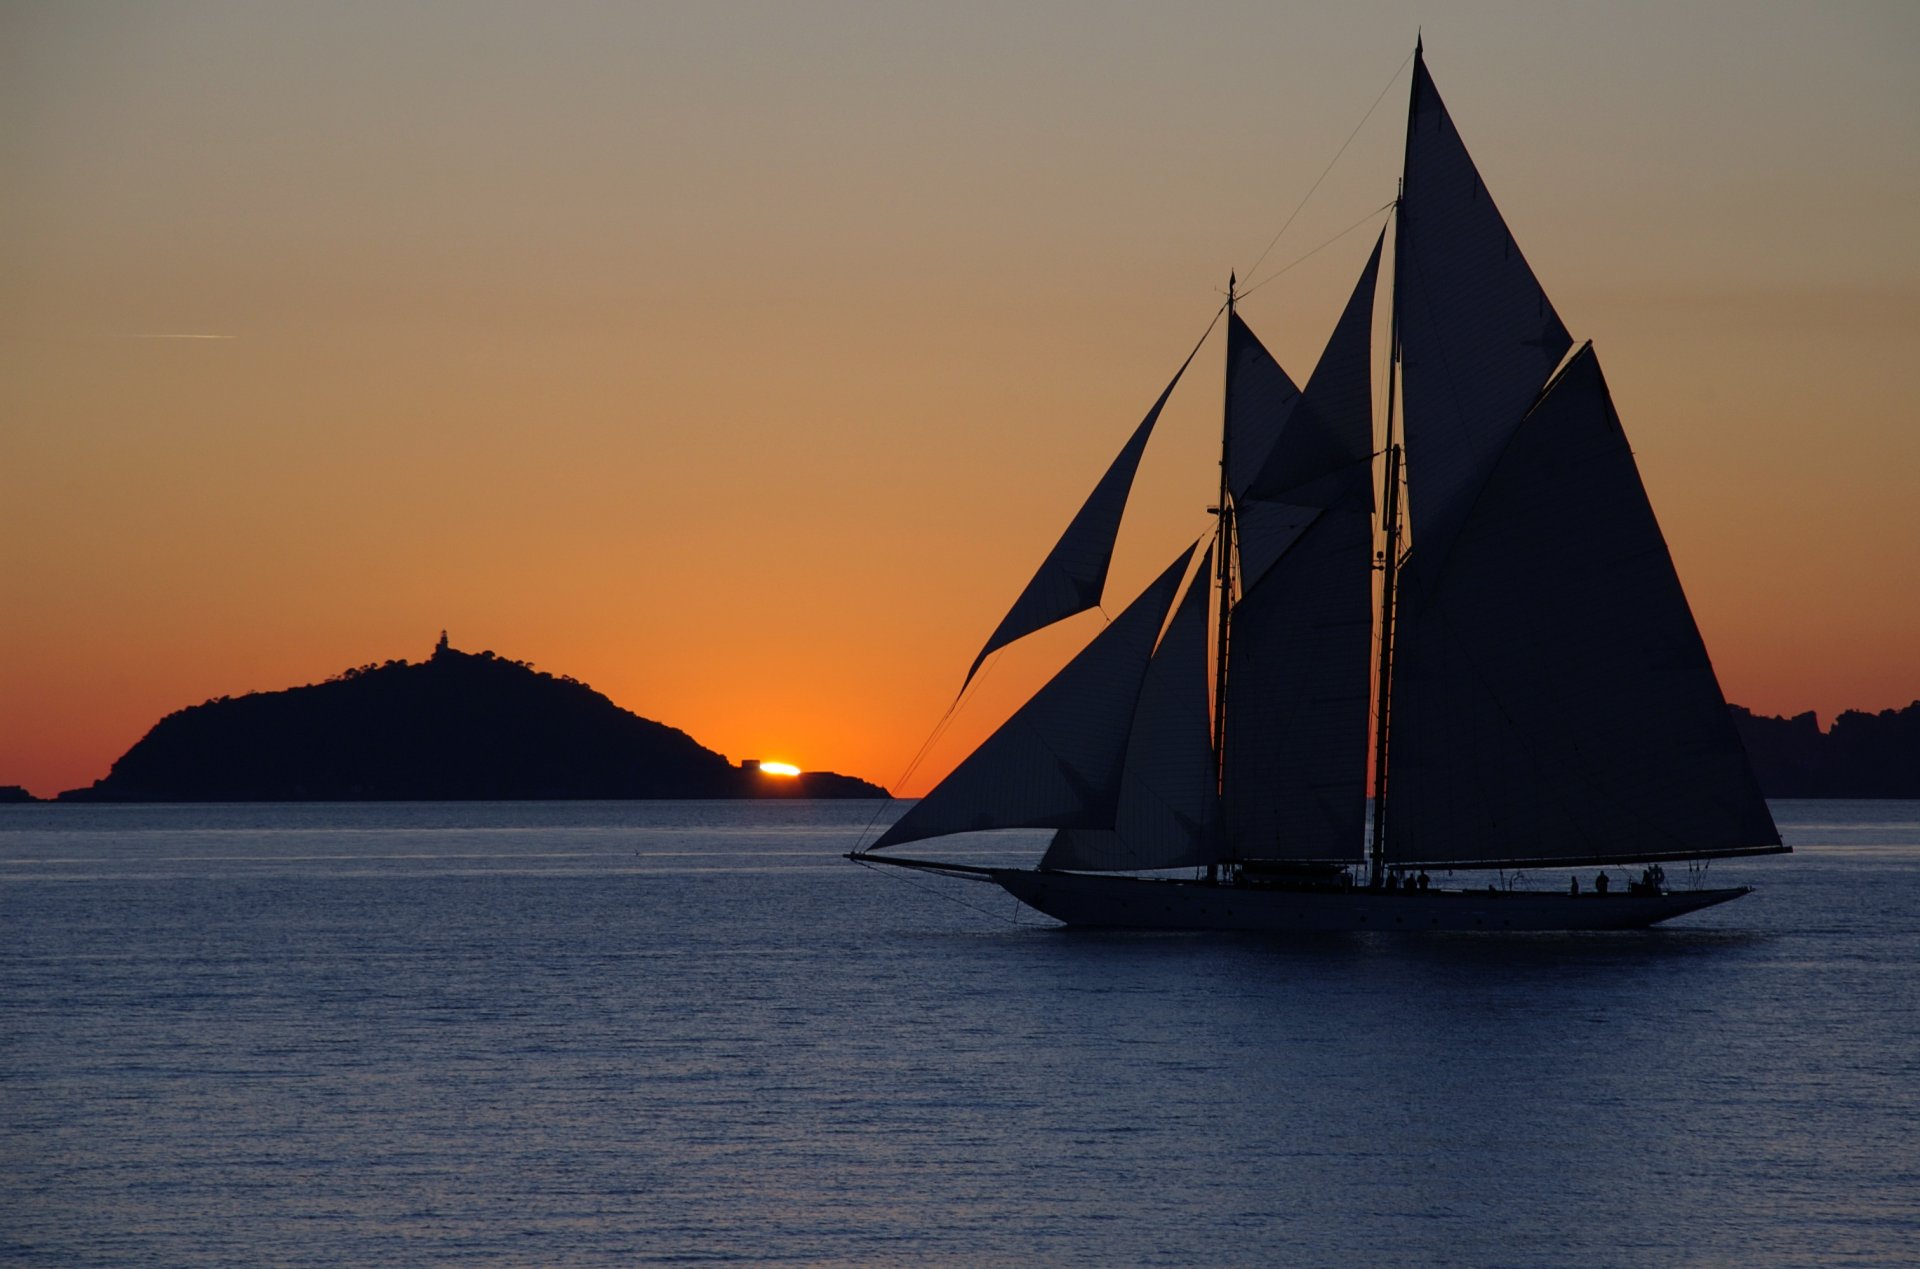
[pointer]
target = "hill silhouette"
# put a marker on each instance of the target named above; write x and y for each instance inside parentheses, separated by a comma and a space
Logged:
(1861, 756)
(459, 726)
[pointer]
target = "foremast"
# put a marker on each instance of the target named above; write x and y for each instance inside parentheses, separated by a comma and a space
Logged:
(1223, 567)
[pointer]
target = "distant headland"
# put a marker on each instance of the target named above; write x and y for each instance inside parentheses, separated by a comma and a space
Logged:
(458, 726)
(1861, 756)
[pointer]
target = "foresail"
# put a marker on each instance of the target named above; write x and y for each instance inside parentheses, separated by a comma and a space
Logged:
(1072, 577)
(1296, 744)
(1296, 740)
(1260, 396)
(1168, 814)
(1553, 700)
(1478, 336)
(1056, 762)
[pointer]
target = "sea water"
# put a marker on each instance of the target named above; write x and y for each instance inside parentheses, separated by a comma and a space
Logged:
(614, 1033)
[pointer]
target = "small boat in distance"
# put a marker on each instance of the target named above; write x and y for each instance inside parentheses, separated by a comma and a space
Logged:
(1526, 675)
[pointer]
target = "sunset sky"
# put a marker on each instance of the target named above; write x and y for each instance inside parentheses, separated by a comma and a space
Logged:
(741, 360)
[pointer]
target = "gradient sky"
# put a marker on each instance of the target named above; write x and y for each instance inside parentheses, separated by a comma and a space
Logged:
(742, 359)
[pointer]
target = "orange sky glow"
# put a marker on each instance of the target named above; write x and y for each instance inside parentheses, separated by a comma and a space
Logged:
(741, 360)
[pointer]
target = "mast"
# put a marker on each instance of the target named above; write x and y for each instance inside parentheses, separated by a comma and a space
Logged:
(1223, 556)
(1390, 509)
(1389, 570)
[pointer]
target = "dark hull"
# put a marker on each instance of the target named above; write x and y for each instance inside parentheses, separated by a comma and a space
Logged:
(1137, 903)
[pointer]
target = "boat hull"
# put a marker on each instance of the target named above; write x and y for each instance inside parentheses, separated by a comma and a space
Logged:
(1137, 903)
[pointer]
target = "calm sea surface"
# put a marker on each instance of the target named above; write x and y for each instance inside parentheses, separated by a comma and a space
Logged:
(608, 1033)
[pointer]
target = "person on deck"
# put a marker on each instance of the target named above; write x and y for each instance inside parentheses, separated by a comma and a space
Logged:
(1600, 883)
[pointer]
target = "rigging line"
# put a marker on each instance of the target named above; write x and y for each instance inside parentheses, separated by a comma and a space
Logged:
(1336, 158)
(913, 764)
(1300, 260)
(940, 894)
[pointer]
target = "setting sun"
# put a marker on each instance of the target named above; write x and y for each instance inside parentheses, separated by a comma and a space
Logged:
(779, 768)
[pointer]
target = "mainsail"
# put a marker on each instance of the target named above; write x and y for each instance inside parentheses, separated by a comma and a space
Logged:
(1552, 698)
(1553, 701)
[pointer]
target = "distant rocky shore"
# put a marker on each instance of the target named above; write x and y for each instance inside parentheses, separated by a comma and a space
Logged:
(459, 726)
(1861, 756)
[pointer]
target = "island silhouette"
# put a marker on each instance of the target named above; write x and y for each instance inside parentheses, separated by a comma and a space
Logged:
(458, 726)
(473, 726)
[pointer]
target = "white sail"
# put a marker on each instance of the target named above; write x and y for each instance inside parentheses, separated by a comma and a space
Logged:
(1168, 815)
(1070, 580)
(1553, 701)
(1056, 762)
(1478, 336)
(1298, 680)
(1260, 395)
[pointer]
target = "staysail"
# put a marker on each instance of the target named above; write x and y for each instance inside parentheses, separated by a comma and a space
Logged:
(1168, 813)
(1056, 762)
(1072, 577)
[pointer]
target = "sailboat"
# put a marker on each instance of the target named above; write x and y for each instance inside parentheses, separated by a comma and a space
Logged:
(1500, 636)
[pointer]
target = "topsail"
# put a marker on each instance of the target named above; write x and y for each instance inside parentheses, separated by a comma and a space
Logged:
(1478, 335)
